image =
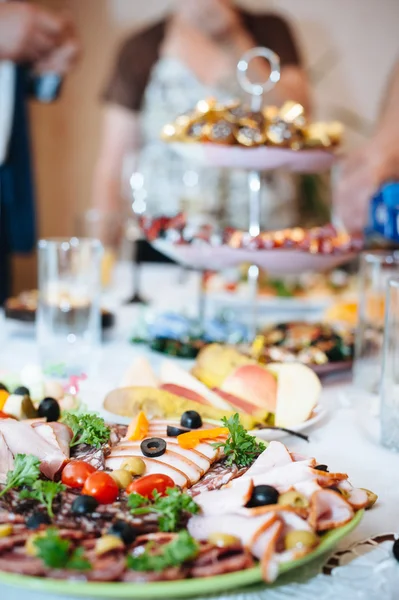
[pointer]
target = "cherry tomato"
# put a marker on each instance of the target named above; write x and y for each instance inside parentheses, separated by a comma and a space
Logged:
(147, 484)
(102, 487)
(76, 472)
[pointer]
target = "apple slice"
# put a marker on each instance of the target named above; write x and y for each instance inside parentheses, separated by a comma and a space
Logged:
(254, 384)
(298, 392)
(173, 374)
(139, 374)
(238, 403)
(183, 392)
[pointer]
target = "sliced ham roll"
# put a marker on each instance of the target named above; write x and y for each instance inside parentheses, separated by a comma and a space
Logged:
(326, 479)
(204, 448)
(275, 455)
(171, 458)
(264, 548)
(328, 510)
(57, 434)
(152, 466)
(355, 496)
(245, 528)
(21, 438)
(226, 500)
(285, 477)
(6, 459)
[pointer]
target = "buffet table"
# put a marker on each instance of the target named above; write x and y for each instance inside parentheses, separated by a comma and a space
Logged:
(339, 440)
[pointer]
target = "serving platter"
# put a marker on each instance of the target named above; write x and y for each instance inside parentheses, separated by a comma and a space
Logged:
(204, 256)
(187, 588)
(262, 158)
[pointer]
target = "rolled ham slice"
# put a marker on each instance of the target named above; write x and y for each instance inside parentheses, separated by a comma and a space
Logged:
(355, 496)
(57, 434)
(245, 528)
(6, 459)
(328, 510)
(286, 477)
(264, 548)
(275, 455)
(21, 438)
(227, 500)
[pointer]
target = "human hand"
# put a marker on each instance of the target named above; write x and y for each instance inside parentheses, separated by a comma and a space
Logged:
(363, 173)
(28, 32)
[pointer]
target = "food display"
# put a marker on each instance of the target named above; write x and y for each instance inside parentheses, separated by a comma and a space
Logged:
(222, 382)
(325, 240)
(304, 286)
(23, 308)
(160, 499)
(235, 123)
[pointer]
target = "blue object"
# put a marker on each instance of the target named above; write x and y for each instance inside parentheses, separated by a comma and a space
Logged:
(384, 212)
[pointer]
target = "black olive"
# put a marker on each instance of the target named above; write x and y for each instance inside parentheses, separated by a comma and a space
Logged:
(22, 391)
(322, 468)
(50, 409)
(263, 495)
(395, 549)
(124, 530)
(191, 419)
(173, 431)
(335, 489)
(3, 387)
(36, 519)
(153, 447)
(84, 505)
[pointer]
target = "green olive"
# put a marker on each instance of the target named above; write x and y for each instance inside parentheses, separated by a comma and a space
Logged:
(106, 543)
(122, 478)
(134, 464)
(223, 540)
(296, 540)
(5, 530)
(30, 546)
(371, 497)
(294, 499)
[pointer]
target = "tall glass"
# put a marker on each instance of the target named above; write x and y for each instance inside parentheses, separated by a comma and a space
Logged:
(376, 268)
(68, 316)
(390, 371)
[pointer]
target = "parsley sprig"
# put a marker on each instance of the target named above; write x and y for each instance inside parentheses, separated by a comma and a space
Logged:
(26, 471)
(169, 508)
(173, 554)
(240, 448)
(57, 553)
(87, 428)
(44, 492)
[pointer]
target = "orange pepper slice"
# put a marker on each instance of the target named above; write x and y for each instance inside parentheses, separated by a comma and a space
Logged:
(138, 428)
(3, 398)
(192, 438)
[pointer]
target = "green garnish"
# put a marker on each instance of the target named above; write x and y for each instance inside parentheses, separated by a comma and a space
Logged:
(281, 288)
(87, 428)
(26, 471)
(178, 551)
(240, 448)
(169, 508)
(56, 552)
(44, 492)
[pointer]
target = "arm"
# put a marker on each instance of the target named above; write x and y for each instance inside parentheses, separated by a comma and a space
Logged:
(120, 137)
(373, 164)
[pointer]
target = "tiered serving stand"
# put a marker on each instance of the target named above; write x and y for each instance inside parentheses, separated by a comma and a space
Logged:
(256, 161)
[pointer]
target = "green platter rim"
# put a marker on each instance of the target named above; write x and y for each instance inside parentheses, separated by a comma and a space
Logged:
(186, 588)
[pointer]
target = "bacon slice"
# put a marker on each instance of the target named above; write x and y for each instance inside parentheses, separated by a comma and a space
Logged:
(328, 510)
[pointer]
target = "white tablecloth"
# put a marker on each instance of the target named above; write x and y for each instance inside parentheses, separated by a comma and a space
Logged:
(339, 441)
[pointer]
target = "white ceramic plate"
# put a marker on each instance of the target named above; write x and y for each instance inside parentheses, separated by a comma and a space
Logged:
(275, 262)
(261, 159)
(269, 434)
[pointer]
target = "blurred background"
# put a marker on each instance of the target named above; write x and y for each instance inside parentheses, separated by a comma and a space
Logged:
(348, 46)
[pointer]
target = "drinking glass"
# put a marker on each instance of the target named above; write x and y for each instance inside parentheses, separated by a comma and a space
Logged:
(107, 227)
(376, 268)
(389, 411)
(68, 315)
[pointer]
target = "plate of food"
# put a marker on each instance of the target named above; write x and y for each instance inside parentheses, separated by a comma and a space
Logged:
(234, 136)
(298, 292)
(160, 507)
(23, 308)
(272, 401)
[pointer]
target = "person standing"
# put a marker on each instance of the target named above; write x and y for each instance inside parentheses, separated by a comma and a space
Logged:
(37, 48)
